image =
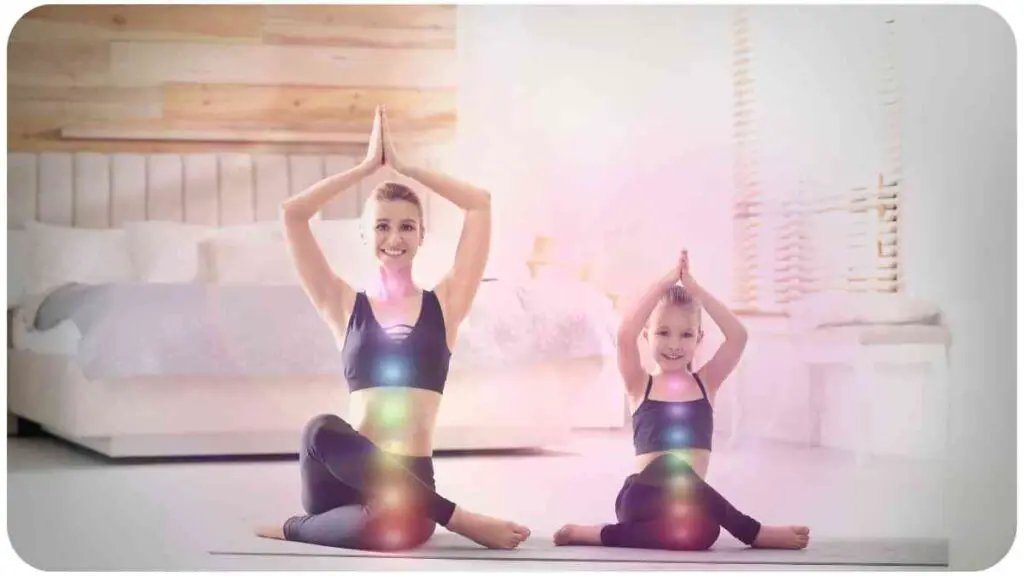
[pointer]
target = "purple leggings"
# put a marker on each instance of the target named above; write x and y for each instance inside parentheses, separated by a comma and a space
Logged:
(358, 496)
(669, 506)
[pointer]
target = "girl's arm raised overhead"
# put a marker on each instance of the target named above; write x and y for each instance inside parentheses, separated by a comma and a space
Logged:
(632, 325)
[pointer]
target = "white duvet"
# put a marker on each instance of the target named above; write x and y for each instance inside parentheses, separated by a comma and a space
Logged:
(124, 330)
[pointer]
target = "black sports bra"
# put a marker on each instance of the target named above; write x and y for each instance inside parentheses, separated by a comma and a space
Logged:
(374, 359)
(659, 426)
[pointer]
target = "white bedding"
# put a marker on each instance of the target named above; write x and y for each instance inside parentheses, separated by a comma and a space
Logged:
(829, 310)
(62, 339)
(125, 330)
(164, 298)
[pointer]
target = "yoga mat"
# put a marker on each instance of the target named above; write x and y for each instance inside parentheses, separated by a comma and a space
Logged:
(539, 548)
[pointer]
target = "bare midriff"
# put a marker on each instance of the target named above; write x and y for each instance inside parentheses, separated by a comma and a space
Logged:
(397, 420)
(698, 459)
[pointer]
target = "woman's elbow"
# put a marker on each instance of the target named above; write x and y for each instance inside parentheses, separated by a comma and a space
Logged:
(289, 212)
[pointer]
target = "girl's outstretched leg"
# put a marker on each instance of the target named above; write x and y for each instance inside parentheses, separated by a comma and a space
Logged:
(680, 486)
(660, 534)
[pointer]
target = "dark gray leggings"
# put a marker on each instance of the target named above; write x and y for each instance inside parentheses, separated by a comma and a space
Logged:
(358, 496)
(669, 506)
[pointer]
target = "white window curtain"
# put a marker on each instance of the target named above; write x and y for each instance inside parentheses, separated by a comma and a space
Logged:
(817, 153)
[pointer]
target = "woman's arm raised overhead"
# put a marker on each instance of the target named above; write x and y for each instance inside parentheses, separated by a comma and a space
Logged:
(458, 287)
(329, 293)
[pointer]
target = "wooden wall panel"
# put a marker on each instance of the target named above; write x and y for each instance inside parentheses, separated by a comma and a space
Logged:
(414, 17)
(60, 64)
(86, 103)
(142, 63)
(208, 70)
(215, 23)
(265, 105)
(356, 36)
(362, 26)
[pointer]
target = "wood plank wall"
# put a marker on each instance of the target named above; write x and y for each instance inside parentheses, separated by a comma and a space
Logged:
(168, 69)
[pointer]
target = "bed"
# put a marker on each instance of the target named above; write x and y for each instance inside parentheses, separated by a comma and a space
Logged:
(154, 312)
(895, 351)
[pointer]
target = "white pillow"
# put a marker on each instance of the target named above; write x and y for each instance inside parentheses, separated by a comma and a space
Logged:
(19, 265)
(260, 261)
(845, 309)
(348, 255)
(62, 254)
(258, 232)
(166, 251)
(266, 229)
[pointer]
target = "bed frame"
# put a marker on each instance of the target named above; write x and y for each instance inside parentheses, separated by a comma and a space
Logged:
(158, 416)
(532, 407)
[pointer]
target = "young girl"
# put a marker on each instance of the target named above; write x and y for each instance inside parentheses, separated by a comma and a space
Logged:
(370, 484)
(667, 504)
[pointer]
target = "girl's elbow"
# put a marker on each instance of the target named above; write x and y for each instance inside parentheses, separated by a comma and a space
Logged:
(484, 202)
(626, 334)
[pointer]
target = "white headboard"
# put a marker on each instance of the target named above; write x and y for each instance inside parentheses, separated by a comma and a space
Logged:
(97, 190)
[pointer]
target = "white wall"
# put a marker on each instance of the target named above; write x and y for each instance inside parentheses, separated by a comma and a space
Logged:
(817, 85)
(960, 127)
(602, 125)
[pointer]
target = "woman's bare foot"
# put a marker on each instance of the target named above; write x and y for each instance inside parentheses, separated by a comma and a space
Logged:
(783, 537)
(578, 535)
(487, 531)
(275, 532)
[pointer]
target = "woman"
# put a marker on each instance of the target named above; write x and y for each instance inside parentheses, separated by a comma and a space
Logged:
(667, 504)
(371, 485)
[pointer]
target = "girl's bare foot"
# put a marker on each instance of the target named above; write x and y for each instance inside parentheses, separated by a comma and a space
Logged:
(487, 531)
(275, 532)
(783, 537)
(578, 535)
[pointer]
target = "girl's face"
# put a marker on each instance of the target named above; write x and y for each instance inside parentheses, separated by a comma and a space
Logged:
(673, 334)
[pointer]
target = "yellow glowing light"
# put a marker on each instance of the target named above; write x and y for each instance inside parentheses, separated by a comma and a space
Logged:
(680, 485)
(394, 446)
(393, 411)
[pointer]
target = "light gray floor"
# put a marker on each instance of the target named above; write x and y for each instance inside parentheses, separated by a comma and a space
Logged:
(72, 510)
